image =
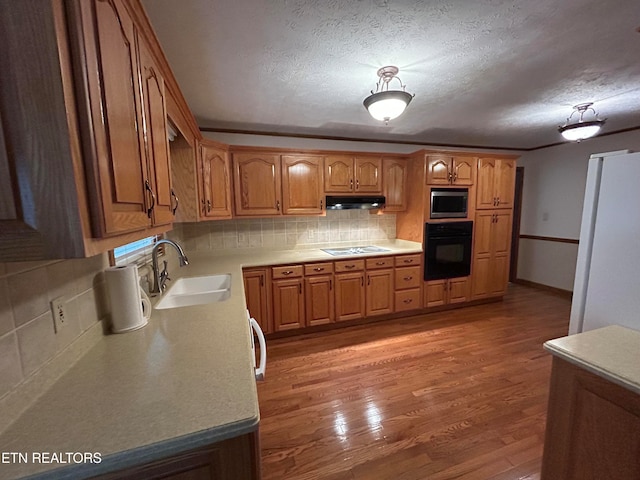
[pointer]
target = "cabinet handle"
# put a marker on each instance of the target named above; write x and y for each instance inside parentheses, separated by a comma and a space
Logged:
(318, 269)
(497, 201)
(450, 175)
(351, 184)
(320, 204)
(287, 272)
(455, 176)
(349, 266)
(410, 260)
(262, 280)
(406, 279)
(208, 206)
(278, 205)
(300, 289)
(379, 263)
(153, 198)
(357, 184)
(174, 196)
(408, 300)
(368, 279)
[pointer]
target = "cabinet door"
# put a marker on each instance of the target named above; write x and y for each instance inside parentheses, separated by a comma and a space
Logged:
(501, 236)
(157, 142)
(458, 290)
(486, 191)
(483, 233)
(338, 174)
(288, 304)
(368, 174)
(408, 277)
(117, 165)
(435, 293)
(438, 170)
(379, 293)
(349, 296)
(481, 274)
(463, 170)
(302, 183)
(319, 299)
(216, 182)
(257, 184)
(505, 183)
(499, 275)
(256, 291)
(394, 182)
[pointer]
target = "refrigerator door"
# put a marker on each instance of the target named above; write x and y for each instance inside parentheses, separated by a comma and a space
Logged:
(607, 287)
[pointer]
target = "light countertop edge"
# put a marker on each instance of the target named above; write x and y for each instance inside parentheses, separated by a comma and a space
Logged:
(104, 360)
(612, 353)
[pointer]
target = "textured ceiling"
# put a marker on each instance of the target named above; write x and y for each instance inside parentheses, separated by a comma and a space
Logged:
(492, 73)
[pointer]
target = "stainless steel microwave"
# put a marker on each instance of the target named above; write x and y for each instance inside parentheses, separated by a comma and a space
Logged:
(449, 202)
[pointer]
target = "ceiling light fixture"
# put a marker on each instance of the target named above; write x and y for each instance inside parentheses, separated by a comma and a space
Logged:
(385, 104)
(580, 130)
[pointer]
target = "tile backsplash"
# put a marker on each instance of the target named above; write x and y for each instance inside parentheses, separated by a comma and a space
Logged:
(28, 339)
(340, 226)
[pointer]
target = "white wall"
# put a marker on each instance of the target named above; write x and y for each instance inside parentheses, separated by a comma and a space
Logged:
(554, 181)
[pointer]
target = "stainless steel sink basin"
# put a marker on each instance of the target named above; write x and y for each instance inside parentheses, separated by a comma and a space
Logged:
(196, 291)
(336, 252)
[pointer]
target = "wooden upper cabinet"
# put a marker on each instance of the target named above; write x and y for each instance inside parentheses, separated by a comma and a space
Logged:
(257, 184)
(339, 175)
(348, 174)
(215, 182)
(496, 183)
(302, 184)
(368, 174)
(448, 170)
(113, 143)
(394, 181)
(157, 143)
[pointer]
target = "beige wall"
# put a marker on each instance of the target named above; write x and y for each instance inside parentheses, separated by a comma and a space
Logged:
(553, 193)
(27, 337)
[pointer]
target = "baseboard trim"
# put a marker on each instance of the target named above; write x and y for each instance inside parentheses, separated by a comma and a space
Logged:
(547, 288)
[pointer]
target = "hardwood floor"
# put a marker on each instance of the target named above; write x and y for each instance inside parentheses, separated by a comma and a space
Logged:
(459, 394)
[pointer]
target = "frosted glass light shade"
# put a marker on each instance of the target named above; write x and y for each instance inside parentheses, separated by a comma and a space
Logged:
(387, 105)
(580, 131)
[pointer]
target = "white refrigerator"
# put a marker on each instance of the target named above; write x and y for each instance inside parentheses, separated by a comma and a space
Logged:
(606, 289)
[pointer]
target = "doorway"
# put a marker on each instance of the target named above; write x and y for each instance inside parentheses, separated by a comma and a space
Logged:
(515, 229)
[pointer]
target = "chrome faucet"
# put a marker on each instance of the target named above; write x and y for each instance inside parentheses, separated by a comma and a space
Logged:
(160, 278)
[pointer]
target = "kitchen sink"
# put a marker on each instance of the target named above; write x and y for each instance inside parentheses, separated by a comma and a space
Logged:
(336, 252)
(196, 291)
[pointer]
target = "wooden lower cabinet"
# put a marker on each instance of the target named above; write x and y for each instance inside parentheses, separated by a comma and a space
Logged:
(350, 296)
(491, 253)
(406, 300)
(237, 458)
(593, 427)
(446, 292)
(288, 304)
(257, 284)
(319, 299)
(379, 292)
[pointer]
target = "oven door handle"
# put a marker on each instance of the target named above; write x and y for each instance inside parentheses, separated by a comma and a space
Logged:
(263, 348)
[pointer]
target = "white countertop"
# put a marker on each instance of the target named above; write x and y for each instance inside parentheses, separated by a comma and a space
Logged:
(612, 353)
(183, 381)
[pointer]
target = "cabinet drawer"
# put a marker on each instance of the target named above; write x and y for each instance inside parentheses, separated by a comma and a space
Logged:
(407, 260)
(349, 265)
(407, 277)
(318, 268)
(289, 271)
(408, 300)
(382, 262)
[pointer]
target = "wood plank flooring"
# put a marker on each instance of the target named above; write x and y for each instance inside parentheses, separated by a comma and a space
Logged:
(450, 395)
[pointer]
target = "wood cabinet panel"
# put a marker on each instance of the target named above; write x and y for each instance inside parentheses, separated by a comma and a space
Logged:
(380, 262)
(339, 174)
(257, 184)
(435, 293)
(449, 170)
(350, 295)
(407, 277)
(505, 183)
(319, 300)
(408, 260)
(463, 170)
(302, 184)
(492, 245)
(287, 271)
(438, 169)
(394, 182)
(257, 288)
(593, 427)
(406, 300)
(318, 268)
(349, 265)
(379, 292)
(446, 291)
(486, 189)
(458, 290)
(496, 183)
(368, 174)
(216, 182)
(288, 304)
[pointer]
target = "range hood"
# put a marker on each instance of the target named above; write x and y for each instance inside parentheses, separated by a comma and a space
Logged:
(354, 203)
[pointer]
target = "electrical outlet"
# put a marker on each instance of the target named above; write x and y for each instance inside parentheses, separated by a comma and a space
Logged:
(59, 312)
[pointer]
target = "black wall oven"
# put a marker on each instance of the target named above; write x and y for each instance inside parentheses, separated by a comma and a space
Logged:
(448, 250)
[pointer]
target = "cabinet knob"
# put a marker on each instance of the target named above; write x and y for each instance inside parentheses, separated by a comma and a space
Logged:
(318, 269)
(408, 300)
(410, 260)
(351, 184)
(379, 263)
(406, 279)
(278, 205)
(208, 206)
(287, 272)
